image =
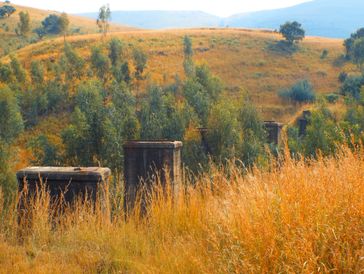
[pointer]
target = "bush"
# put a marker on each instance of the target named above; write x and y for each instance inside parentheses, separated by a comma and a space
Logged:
(302, 91)
(332, 98)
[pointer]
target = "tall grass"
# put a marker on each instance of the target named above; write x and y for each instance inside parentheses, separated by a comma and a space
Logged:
(297, 216)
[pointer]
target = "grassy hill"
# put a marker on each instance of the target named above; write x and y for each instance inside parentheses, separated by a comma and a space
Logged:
(9, 41)
(248, 62)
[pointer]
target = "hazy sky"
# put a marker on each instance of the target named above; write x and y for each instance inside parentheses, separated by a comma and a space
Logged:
(217, 7)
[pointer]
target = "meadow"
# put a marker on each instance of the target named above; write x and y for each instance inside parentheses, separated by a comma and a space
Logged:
(296, 216)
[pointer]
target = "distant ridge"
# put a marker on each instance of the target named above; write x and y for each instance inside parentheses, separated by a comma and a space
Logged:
(162, 19)
(327, 18)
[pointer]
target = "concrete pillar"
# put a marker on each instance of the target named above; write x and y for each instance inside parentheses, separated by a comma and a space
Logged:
(303, 122)
(69, 183)
(143, 161)
(274, 130)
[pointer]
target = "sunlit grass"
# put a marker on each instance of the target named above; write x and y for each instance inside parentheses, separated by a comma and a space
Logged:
(298, 216)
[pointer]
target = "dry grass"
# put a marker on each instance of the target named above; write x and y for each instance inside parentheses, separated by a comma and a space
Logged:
(300, 217)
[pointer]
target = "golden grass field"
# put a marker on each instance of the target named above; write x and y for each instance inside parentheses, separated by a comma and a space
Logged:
(297, 217)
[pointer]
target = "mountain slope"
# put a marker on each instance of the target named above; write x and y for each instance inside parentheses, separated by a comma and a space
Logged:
(162, 19)
(329, 18)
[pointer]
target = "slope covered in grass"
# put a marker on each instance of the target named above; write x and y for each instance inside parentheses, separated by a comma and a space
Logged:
(300, 217)
(9, 41)
(248, 62)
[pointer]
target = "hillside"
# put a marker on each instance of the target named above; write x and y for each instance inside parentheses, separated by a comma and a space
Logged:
(327, 18)
(252, 63)
(10, 41)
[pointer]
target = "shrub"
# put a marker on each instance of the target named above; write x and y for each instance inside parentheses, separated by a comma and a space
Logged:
(302, 91)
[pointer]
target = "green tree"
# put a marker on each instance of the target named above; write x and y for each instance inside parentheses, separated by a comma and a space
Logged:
(349, 43)
(11, 121)
(8, 184)
(17, 69)
(122, 73)
(6, 74)
(224, 135)
(140, 61)
(6, 11)
(37, 72)
(44, 151)
(358, 52)
(116, 49)
(63, 23)
(292, 32)
(72, 63)
(100, 63)
(201, 91)
(323, 134)
(24, 23)
(103, 19)
(188, 64)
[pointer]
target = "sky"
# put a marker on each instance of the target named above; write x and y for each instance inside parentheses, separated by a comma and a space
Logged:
(216, 7)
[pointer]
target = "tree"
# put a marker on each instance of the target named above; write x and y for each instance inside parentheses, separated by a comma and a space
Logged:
(140, 61)
(24, 23)
(358, 52)
(17, 69)
(63, 22)
(54, 24)
(11, 121)
(6, 74)
(73, 64)
(103, 19)
(188, 64)
(292, 32)
(6, 11)
(37, 72)
(115, 51)
(349, 43)
(100, 63)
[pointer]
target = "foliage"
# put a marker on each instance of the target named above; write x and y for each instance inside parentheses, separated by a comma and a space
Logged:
(202, 91)
(37, 72)
(6, 11)
(44, 151)
(349, 43)
(17, 69)
(140, 61)
(103, 19)
(24, 23)
(292, 32)
(188, 64)
(332, 98)
(72, 63)
(100, 63)
(63, 23)
(352, 86)
(11, 122)
(8, 184)
(300, 92)
(358, 52)
(116, 50)
(323, 134)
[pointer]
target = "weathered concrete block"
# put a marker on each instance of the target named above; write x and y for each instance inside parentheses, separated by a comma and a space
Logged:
(303, 122)
(144, 161)
(274, 130)
(68, 183)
